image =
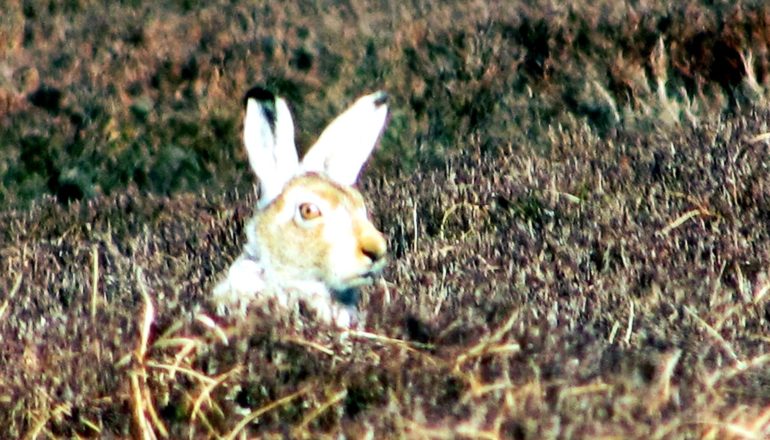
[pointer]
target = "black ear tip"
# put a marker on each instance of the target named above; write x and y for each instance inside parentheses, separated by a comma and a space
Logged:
(380, 98)
(260, 94)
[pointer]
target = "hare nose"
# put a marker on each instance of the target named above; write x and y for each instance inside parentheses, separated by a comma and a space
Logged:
(373, 254)
(373, 246)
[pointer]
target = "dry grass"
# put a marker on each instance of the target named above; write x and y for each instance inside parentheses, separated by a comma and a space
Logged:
(576, 200)
(617, 288)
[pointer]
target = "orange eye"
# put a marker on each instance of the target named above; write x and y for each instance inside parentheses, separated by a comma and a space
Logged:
(309, 211)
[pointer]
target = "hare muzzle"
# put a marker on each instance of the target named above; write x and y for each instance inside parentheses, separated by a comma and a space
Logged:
(372, 245)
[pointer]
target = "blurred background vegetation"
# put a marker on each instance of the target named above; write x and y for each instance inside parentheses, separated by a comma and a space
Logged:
(575, 196)
(99, 96)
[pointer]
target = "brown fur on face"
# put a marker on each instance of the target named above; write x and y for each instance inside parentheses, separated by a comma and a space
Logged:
(340, 248)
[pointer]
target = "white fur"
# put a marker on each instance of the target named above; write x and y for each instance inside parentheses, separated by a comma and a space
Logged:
(348, 140)
(338, 155)
(272, 155)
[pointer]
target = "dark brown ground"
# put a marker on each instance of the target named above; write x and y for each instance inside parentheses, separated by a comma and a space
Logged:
(575, 252)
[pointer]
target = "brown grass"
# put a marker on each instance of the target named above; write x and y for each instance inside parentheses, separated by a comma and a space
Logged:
(576, 201)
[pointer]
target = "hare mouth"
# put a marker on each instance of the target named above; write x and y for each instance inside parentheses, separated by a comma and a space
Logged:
(377, 267)
(364, 279)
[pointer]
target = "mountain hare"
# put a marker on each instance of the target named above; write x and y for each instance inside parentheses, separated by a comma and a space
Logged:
(310, 240)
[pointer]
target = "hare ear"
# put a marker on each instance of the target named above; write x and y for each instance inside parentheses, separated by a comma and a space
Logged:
(268, 134)
(348, 140)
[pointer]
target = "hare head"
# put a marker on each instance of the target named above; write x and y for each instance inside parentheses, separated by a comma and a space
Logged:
(311, 236)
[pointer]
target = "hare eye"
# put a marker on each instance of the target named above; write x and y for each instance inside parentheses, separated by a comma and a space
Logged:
(309, 211)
